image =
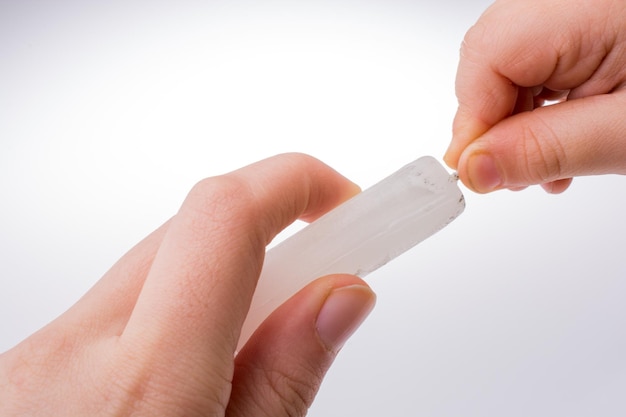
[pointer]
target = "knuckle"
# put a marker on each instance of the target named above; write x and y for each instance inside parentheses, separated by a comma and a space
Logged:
(474, 38)
(544, 155)
(219, 204)
(294, 394)
(137, 385)
(285, 391)
(214, 194)
(298, 158)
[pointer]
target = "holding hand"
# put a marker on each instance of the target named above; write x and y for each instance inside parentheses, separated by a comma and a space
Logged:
(520, 54)
(157, 334)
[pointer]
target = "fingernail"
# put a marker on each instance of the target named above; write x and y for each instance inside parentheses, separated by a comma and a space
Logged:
(342, 313)
(483, 173)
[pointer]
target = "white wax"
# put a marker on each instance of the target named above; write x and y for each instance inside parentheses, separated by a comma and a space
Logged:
(360, 235)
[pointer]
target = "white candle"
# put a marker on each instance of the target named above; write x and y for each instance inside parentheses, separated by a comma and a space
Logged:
(360, 235)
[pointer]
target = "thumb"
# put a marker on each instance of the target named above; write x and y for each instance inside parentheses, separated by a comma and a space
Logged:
(549, 145)
(279, 370)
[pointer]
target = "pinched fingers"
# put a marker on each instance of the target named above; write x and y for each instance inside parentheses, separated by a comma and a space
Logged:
(549, 146)
(519, 55)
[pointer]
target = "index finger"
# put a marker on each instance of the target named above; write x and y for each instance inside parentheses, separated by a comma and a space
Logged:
(197, 293)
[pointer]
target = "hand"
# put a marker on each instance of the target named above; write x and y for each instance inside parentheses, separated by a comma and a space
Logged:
(157, 334)
(520, 54)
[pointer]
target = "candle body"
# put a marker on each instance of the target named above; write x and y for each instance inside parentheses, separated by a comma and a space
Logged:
(360, 235)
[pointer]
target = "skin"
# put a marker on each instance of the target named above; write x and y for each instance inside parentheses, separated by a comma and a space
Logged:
(157, 334)
(521, 53)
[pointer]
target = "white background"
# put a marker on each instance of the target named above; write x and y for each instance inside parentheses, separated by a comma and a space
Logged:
(111, 111)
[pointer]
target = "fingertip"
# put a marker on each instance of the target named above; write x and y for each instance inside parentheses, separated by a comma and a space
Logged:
(348, 190)
(558, 186)
(465, 130)
(451, 157)
(518, 188)
(480, 172)
(343, 311)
